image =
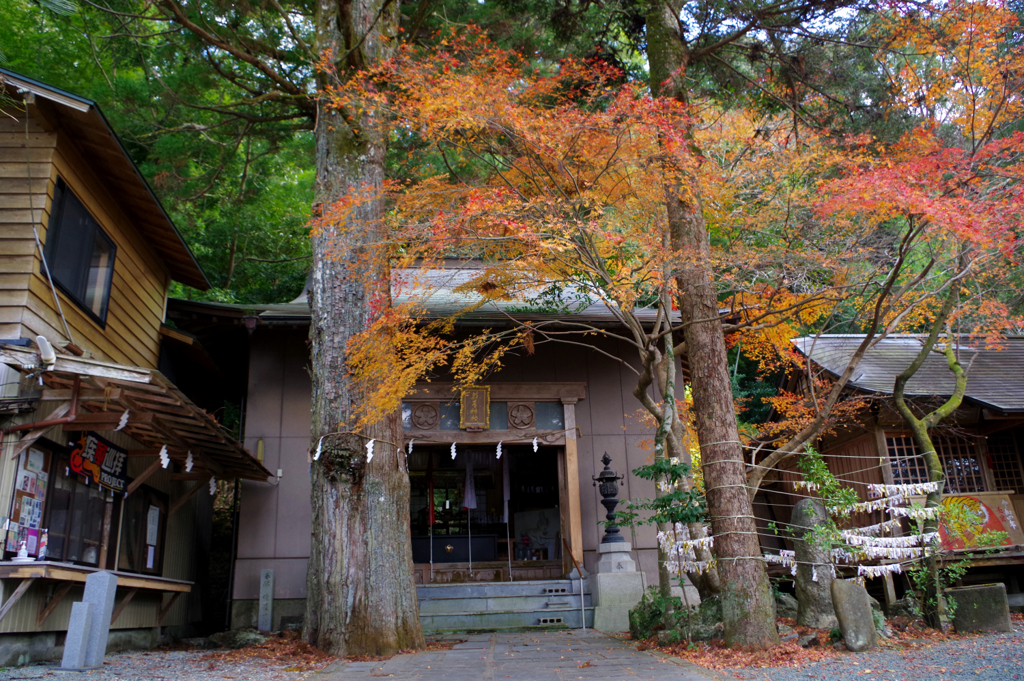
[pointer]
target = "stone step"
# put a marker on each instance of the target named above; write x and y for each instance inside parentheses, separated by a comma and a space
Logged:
(490, 621)
(550, 587)
(510, 603)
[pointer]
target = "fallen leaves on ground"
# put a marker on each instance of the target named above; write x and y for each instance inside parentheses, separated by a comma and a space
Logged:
(714, 655)
(287, 651)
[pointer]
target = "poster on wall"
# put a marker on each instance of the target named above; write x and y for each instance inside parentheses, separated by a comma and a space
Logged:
(28, 504)
(102, 461)
(969, 515)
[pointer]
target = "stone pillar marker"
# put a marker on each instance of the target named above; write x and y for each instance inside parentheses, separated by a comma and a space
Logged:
(79, 627)
(89, 627)
(266, 613)
(100, 590)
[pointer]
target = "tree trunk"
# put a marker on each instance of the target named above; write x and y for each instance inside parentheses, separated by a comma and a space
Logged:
(931, 602)
(747, 609)
(361, 598)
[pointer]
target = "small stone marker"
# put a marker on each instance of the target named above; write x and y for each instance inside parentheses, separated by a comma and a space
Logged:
(100, 589)
(853, 610)
(76, 643)
(981, 608)
(266, 614)
(813, 576)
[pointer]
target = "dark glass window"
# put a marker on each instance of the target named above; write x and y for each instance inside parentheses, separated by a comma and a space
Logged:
(75, 516)
(80, 255)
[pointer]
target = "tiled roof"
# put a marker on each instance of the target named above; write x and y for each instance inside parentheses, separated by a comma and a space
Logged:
(995, 376)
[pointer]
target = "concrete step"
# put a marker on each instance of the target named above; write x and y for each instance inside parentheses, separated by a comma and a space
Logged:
(490, 621)
(437, 606)
(502, 605)
(484, 589)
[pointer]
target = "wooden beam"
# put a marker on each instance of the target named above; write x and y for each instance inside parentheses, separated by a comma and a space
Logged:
(167, 608)
(501, 391)
(16, 596)
(178, 503)
(31, 436)
(108, 420)
(187, 476)
(177, 335)
(572, 480)
(84, 395)
(137, 482)
(47, 607)
(123, 604)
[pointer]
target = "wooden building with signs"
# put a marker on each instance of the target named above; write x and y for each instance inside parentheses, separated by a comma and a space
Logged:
(475, 517)
(106, 463)
(980, 446)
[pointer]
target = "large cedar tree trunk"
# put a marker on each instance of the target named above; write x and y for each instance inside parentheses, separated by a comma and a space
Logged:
(360, 593)
(747, 609)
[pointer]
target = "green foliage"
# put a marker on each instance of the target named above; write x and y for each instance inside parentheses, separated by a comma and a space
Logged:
(677, 505)
(237, 179)
(647, 616)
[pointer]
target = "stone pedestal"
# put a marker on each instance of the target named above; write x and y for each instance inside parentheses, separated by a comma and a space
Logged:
(617, 587)
(980, 608)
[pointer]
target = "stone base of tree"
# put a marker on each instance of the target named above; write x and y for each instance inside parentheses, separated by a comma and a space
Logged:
(980, 608)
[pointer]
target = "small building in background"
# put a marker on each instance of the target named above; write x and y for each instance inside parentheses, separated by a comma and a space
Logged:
(979, 446)
(106, 462)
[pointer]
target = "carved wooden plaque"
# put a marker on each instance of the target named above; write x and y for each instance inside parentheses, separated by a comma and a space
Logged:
(475, 412)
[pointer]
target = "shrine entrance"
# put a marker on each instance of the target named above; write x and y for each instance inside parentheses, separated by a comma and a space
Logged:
(478, 518)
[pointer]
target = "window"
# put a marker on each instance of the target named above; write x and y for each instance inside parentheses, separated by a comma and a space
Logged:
(959, 459)
(79, 254)
(76, 515)
(907, 467)
(1005, 462)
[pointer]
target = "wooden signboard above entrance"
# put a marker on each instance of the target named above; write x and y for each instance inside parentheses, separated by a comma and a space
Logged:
(475, 412)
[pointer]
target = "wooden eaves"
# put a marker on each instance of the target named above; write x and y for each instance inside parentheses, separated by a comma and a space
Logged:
(159, 414)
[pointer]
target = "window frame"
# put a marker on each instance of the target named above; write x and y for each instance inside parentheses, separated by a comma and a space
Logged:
(59, 458)
(62, 193)
(945, 454)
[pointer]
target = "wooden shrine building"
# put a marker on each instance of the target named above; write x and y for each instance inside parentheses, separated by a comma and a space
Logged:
(105, 462)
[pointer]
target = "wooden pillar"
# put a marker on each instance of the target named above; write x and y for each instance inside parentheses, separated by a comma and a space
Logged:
(572, 480)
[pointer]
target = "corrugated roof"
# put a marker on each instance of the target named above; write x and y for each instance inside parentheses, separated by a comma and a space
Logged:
(89, 128)
(995, 376)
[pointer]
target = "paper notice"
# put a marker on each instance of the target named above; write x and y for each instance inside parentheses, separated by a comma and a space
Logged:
(150, 555)
(153, 525)
(36, 461)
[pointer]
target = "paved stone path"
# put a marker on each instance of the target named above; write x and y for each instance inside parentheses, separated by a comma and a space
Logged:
(534, 656)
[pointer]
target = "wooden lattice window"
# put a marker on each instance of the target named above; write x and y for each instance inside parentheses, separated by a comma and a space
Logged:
(907, 466)
(1005, 460)
(961, 463)
(959, 459)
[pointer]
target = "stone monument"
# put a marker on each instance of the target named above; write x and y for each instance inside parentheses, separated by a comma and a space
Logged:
(89, 627)
(813, 576)
(618, 587)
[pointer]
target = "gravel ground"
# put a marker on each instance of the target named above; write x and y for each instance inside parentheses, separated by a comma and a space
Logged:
(177, 665)
(986, 658)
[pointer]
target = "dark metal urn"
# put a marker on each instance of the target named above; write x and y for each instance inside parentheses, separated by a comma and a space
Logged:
(610, 491)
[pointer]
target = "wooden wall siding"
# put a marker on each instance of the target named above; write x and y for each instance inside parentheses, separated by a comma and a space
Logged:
(854, 462)
(142, 611)
(857, 463)
(140, 279)
(24, 182)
